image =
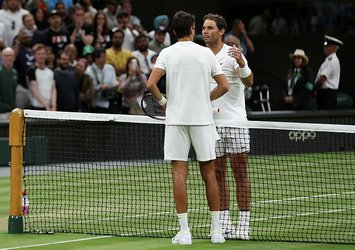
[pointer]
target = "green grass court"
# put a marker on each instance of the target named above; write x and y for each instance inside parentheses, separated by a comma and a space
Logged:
(308, 197)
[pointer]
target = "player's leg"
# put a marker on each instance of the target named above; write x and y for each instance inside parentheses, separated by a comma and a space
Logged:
(228, 228)
(221, 175)
(203, 139)
(180, 172)
(176, 148)
(209, 177)
(239, 164)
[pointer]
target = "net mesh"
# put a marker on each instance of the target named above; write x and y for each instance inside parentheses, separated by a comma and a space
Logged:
(105, 175)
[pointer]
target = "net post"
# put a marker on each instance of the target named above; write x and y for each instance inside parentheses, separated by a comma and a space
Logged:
(16, 142)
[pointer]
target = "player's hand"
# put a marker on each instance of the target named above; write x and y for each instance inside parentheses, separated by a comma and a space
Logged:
(237, 55)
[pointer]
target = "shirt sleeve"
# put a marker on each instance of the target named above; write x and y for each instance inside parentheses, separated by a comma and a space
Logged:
(110, 75)
(216, 67)
(31, 74)
(160, 63)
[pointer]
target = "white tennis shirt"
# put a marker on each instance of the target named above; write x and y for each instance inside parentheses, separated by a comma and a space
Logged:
(231, 104)
(331, 69)
(189, 68)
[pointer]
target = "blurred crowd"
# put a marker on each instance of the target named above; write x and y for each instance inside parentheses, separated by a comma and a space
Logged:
(76, 56)
(303, 17)
(96, 56)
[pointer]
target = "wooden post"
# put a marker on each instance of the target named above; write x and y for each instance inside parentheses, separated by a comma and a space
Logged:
(16, 141)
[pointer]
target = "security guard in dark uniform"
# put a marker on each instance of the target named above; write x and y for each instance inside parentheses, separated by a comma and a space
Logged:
(328, 76)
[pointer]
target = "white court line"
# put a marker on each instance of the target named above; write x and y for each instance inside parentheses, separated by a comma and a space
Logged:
(58, 242)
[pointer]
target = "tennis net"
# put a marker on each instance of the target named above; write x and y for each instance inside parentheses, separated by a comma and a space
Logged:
(105, 174)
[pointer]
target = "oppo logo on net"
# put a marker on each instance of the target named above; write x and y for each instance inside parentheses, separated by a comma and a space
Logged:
(302, 135)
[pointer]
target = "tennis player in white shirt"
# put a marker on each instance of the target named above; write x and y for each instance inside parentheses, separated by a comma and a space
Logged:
(189, 120)
(234, 142)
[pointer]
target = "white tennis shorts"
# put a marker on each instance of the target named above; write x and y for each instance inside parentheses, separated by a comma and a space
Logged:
(178, 140)
(233, 141)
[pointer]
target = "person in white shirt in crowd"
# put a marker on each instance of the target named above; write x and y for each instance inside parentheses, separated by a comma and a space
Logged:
(129, 33)
(105, 83)
(143, 54)
(43, 92)
(11, 17)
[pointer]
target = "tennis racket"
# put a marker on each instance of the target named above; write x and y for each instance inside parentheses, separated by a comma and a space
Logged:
(152, 108)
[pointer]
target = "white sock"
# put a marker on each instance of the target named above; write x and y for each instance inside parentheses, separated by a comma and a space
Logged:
(184, 226)
(215, 225)
(224, 215)
(244, 218)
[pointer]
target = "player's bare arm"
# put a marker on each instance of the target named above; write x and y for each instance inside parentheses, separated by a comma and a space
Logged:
(221, 88)
(152, 83)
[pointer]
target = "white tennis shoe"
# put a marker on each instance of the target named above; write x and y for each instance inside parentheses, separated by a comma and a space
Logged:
(182, 238)
(217, 237)
(228, 230)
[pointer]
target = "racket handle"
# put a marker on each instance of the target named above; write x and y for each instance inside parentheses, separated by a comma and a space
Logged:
(215, 110)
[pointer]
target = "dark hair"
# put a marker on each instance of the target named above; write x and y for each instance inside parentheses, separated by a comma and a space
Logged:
(220, 21)
(100, 12)
(140, 35)
(122, 14)
(129, 61)
(182, 23)
(98, 52)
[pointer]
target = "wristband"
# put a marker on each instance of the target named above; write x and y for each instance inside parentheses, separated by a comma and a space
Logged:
(244, 72)
(162, 101)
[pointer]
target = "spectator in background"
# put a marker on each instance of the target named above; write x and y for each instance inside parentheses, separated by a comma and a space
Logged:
(11, 17)
(279, 24)
(51, 59)
(143, 54)
(72, 52)
(259, 24)
(111, 11)
(40, 19)
(157, 44)
(299, 83)
(231, 40)
(8, 83)
(134, 21)
(239, 31)
(328, 76)
(56, 37)
(102, 37)
(86, 86)
(160, 22)
(65, 15)
(43, 93)
(81, 34)
(88, 51)
(88, 18)
(132, 86)
(88, 8)
(116, 55)
(29, 23)
(129, 32)
(52, 4)
(24, 60)
(23, 54)
(105, 83)
(66, 85)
